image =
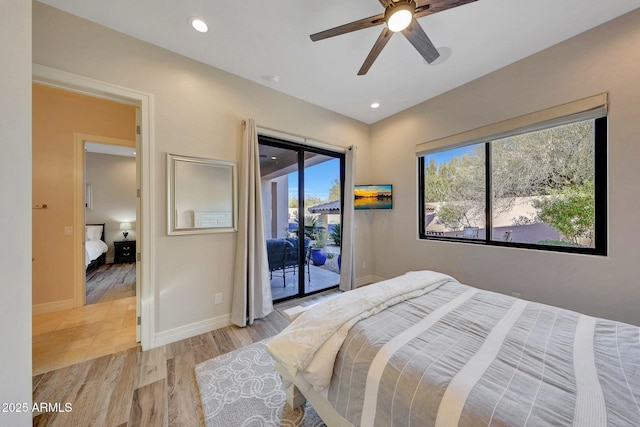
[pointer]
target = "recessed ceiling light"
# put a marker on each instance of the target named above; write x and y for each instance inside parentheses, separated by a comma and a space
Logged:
(274, 158)
(375, 105)
(198, 24)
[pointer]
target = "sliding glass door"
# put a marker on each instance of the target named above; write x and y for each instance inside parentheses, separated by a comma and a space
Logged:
(302, 200)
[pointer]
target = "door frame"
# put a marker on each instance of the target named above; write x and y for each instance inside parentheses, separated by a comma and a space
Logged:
(79, 214)
(300, 149)
(146, 222)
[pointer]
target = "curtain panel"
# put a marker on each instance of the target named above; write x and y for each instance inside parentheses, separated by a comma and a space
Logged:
(347, 270)
(251, 287)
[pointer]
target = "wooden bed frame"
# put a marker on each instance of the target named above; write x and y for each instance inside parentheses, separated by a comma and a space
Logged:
(102, 258)
(297, 395)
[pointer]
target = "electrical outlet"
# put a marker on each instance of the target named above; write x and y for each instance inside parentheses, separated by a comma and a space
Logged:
(68, 231)
(218, 299)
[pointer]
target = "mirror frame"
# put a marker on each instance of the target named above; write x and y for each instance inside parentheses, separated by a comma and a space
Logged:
(172, 161)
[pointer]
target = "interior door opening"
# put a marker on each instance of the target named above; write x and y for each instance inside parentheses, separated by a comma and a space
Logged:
(110, 246)
(302, 197)
(142, 101)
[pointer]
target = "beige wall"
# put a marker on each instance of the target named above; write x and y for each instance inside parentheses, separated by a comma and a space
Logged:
(197, 111)
(113, 183)
(57, 115)
(605, 59)
(15, 200)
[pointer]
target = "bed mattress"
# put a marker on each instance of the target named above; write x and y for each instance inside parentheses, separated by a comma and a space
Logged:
(457, 355)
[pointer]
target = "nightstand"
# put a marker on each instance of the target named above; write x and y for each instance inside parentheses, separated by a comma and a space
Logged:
(124, 251)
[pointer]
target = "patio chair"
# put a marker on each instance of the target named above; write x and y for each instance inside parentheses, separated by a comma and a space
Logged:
(292, 254)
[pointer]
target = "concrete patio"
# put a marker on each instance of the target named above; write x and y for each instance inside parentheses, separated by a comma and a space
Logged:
(320, 278)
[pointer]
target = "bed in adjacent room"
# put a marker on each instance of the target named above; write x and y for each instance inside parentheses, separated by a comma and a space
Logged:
(95, 247)
(424, 350)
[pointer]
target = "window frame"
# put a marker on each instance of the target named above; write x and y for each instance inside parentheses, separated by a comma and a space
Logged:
(600, 190)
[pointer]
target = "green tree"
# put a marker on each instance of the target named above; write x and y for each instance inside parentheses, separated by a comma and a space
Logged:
(312, 201)
(570, 210)
(334, 191)
(537, 163)
(293, 202)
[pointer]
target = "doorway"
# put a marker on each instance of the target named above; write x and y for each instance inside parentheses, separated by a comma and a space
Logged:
(110, 220)
(302, 197)
(65, 332)
(145, 301)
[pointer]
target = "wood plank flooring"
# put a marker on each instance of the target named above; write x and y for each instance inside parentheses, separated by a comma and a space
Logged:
(66, 337)
(111, 282)
(153, 388)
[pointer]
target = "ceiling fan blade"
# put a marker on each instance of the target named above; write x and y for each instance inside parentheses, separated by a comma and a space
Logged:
(385, 3)
(429, 7)
(347, 28)
(419, 39)
(383, 38)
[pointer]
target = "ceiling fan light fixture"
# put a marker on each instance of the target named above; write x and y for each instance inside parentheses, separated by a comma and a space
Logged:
(399, 15)
(198, 24)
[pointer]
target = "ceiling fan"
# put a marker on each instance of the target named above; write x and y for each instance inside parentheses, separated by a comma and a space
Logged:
(400, 16)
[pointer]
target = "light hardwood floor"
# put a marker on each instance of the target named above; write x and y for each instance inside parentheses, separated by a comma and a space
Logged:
(110, 282)
(152, 388)
(65, 337)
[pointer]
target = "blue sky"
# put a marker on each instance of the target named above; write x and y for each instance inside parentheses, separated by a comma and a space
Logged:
(444, 156)
(317, 179)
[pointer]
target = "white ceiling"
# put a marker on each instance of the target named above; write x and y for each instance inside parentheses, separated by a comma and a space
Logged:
(259, 38)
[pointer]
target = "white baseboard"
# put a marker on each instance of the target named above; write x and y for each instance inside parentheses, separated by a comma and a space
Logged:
(367, 280)
(49, 307)
(191, 330)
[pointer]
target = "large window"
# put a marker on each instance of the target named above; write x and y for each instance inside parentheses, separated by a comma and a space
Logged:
(542, 189)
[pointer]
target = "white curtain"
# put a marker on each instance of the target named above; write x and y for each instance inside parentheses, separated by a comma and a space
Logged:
(251, 287)
(347, 269)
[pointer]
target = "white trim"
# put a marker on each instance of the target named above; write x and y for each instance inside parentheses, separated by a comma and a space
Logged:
(191, 330)
(85, 85)
(49, 307)
(79, 167)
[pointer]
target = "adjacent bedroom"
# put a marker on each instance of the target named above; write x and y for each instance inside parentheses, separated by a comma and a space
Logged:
(110, 221)
(84, 227)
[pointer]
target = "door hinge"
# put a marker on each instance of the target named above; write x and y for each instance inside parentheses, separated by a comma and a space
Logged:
(138, 193)
(137, 129)
(138, 256)
(138, 320)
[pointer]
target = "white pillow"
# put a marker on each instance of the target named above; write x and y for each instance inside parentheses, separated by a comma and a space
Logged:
(94, 232)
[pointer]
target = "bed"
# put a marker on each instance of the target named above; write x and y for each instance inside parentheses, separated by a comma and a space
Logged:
(423, 349)
(95, 247)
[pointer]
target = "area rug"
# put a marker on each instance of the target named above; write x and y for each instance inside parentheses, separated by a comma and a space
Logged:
(242, 388)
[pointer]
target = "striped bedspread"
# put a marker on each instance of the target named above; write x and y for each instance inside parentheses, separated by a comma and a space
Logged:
(461, 356)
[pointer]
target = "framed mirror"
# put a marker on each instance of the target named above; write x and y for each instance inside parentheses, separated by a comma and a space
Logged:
(201, 195)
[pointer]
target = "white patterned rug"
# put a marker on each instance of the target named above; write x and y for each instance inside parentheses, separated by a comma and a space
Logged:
(242, 388)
